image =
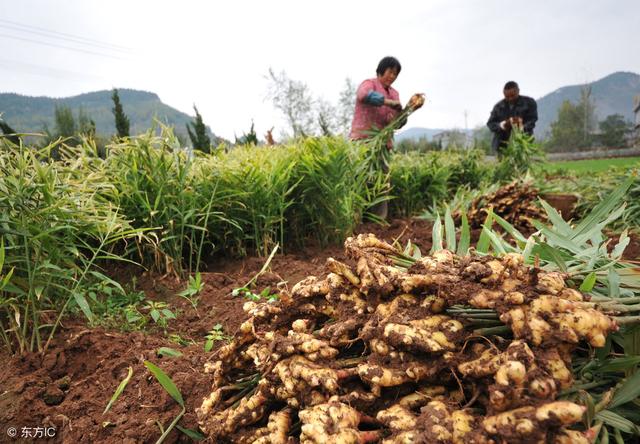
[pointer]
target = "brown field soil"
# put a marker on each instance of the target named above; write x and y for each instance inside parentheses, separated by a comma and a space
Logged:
(564, 203)
(70, 385)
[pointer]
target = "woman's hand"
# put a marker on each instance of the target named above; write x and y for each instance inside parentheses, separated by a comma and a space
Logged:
(393, 104)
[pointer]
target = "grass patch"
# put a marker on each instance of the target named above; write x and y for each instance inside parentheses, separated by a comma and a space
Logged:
(592, 165)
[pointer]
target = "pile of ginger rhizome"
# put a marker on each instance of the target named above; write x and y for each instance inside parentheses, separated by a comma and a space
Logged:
(515, 202)
(390, 353)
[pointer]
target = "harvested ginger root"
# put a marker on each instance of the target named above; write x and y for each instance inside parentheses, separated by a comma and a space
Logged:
(526, 423)
(551, 319)
(333, 423)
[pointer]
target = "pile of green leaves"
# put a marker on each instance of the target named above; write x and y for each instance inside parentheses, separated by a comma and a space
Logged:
(520, 155)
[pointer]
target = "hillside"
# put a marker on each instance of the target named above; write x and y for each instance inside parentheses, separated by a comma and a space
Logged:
(612, 94)
(418, 133)
(31, 114)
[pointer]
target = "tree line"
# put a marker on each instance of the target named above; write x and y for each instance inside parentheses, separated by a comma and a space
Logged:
(303, 113)
(73, 128)
(575, 127)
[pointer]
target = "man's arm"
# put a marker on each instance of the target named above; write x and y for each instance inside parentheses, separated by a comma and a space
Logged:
(531, 116)
(494, 120)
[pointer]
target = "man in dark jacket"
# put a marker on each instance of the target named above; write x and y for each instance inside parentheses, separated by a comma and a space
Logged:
(513, 110)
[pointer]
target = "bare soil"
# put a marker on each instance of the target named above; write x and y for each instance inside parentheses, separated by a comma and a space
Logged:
(565, 204)
(69, 386)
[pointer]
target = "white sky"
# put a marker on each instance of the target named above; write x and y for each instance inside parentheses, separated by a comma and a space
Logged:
(216, 54)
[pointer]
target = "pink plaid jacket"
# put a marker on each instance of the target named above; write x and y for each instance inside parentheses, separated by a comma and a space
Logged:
(367, 116)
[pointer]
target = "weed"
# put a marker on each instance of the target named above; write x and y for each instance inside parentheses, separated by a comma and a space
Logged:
(177, 339)
(264, 295)
(160, 313)
(216, 334)
(194, 287)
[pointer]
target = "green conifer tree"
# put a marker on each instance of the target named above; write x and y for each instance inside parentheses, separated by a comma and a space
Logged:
(198, 134)
(122, 121)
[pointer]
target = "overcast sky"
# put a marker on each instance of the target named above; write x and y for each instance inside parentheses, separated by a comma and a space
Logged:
(216, 54)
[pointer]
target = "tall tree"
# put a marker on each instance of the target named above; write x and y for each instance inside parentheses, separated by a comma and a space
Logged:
(65, 124)
(294, 100)
(326, 117)
(613, 130)
(64, 127)
(250, 138)
(198, 134)
(346, 106)
(573, 128)
(567, 129)
(86, 125)
(588, 114)
(122, 121)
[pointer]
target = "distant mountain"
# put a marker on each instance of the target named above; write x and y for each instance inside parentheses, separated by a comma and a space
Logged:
(612, 94)
(30, 114)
